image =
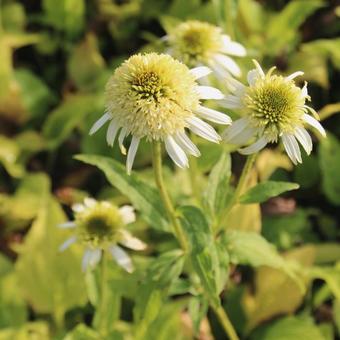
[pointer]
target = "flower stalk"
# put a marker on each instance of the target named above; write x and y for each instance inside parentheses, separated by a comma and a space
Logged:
(103, 293)
(225, 322)
(239, 188)
(157, 165)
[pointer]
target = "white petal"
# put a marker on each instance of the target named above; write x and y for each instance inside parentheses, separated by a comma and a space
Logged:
(199, 72)
(112, 132)
(95, 257)
(231, 102)
(304, 138)
(67, 243)
(313, 122)
(236, 128)
(131, 242)
(292, 148)
(128, 214)
(175, 152)
(294, 75)
(186, 144)
(252, 76)
(304, 91)
(122, 258)
(220, 71)
(121, 137)
(228, 63)
(259, 68)
(244, 136)
(233, 48)
(78, 207)
(132, 153)
(257, 146)
(90, 202)
(208, 92)
(67, 225)
(235, 87)
(99, 123)
(202, 129)
(213, 115)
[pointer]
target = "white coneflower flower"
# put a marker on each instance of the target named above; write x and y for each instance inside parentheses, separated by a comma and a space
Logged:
(199, 43)
(99, 225)
(157, 97)
(272, 106)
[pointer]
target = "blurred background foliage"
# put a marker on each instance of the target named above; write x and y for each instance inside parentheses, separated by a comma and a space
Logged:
(55, 58)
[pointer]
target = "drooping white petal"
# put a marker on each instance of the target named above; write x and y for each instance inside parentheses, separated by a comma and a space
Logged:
(313, 122)
(202, 129)
(175, 152)
(233, 48)
(304, 91)
(236, 128)
(257, 146)
(213, 115)
(127, 213)
(209, 92)
(112, 132)
(132, 153)
(200, 71)
(121, 137)
(131, 242)
(67, 243)
(78, 207)
(304, 138)
(186, 144)
(95, 257)
(67, 225)
(90, 202)
(294, 75)
(99, 123)
(220, 71)
(292, 148)
(231, 102)
(228, 63)
(122, 258)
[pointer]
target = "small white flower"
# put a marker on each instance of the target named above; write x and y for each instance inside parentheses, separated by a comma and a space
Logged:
(99, 226)
(272, 107)
(199, 43)
(156, 97)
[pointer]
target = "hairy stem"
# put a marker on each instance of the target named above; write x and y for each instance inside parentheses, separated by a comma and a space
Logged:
(157, 165)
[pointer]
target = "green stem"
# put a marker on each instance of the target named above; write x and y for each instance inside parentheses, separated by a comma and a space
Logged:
(225, 322)
(239, 188)
(103, 293)
(157, 165)
(193, 174)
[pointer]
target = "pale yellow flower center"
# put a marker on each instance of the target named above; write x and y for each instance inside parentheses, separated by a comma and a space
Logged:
(152, 95)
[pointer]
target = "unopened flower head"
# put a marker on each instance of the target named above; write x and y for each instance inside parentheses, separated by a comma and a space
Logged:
(156, 97)
(272, 106)
(99, 226)
(200, 43)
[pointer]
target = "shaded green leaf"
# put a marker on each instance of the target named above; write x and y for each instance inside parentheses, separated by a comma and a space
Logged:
(263, 191)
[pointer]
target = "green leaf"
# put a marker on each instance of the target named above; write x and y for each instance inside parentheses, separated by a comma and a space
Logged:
(144, 198)
(329, 156)
(330, 275)
(35, 94)
(249, 248)
(263, 191)
(282, 29)
(204, 255)
(82, 332)
(69, 115)
(67, 15)
(215, 195)
(290, 327)
(40, 262)
(9, 157)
